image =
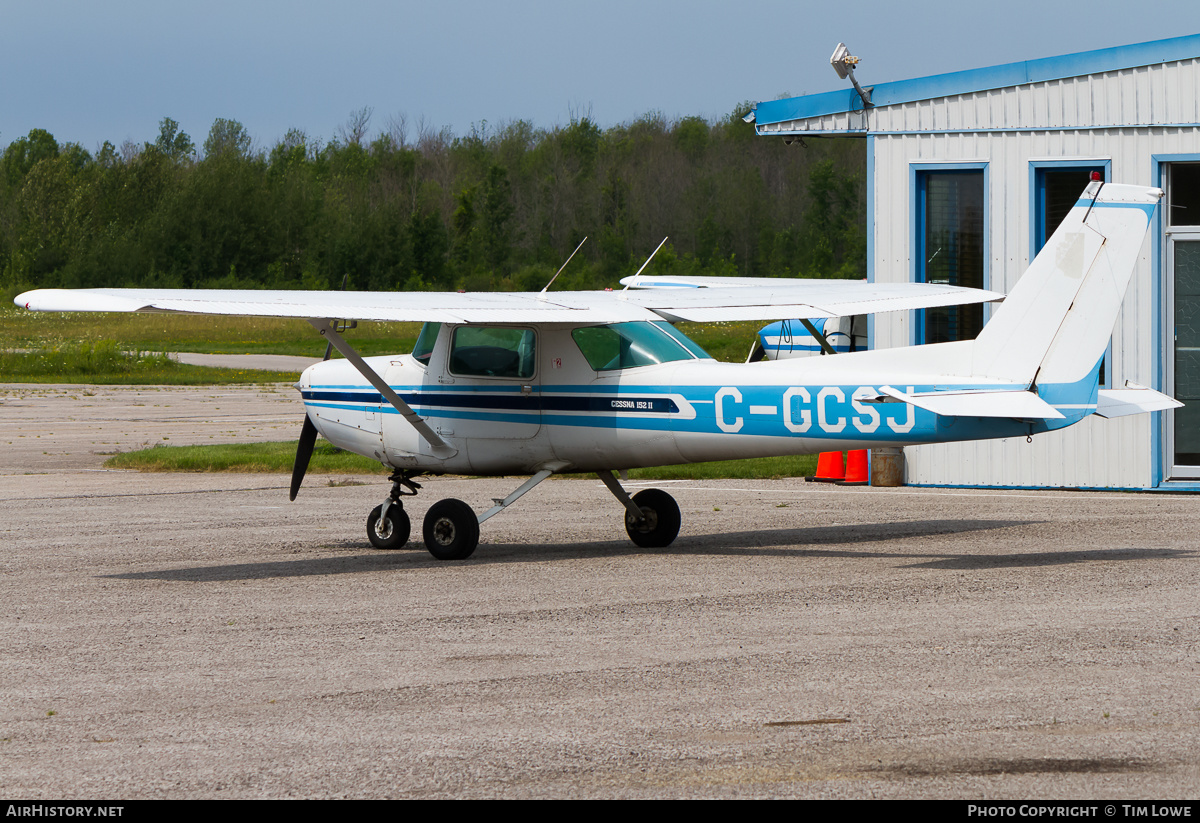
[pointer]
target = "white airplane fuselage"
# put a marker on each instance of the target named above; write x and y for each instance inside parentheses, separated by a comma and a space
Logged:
(568, 414)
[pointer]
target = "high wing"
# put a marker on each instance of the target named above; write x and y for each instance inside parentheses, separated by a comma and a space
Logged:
(719, 299)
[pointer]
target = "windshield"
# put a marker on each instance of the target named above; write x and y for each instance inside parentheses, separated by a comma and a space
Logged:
(425, 341)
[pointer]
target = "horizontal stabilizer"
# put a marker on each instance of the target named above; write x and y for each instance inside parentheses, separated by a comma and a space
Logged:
(1008, 403)
(1133, 399)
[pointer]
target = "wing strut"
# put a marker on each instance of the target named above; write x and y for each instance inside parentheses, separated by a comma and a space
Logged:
(818, 336)
(439, 447)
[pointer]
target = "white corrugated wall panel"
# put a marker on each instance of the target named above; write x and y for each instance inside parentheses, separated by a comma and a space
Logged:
(1097, 452)
(1099, 117)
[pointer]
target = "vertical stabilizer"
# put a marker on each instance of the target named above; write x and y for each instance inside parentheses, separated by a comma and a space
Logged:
(1055, 324)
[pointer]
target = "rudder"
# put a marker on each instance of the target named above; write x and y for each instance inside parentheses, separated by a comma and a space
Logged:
(1055, 323)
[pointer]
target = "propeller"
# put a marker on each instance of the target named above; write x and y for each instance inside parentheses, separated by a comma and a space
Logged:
(304, 450)
(308, 432)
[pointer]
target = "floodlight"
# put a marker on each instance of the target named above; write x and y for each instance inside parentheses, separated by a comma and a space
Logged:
(843, 63)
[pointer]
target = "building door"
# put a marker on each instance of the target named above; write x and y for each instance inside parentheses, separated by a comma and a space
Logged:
(950, 249)
(1183, 268)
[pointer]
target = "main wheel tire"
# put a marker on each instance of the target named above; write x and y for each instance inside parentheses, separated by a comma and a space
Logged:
(660, 523)
(391, 532)
(451, 530)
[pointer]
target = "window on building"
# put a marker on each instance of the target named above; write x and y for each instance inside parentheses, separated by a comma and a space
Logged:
(1183, 261)
(950, 249)
(1183, 195)
(1057, 191)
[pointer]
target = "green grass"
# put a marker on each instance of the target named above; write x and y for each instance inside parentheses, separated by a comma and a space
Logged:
(279, 457)
(21, 329)
(243, 457)
(727, 342)
(760, 468)
(105, 362)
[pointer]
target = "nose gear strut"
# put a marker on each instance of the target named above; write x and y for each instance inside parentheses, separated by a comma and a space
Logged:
(388, 526)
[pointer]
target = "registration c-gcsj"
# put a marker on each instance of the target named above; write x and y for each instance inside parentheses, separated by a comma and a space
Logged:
(833, 412)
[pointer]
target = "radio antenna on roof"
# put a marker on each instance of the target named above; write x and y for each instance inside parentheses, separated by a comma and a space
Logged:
(563, 266)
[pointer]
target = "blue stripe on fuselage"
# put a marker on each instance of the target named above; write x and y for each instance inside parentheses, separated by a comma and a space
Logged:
(832, 412)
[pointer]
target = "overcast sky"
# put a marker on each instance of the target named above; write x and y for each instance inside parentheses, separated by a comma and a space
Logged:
(94, 71)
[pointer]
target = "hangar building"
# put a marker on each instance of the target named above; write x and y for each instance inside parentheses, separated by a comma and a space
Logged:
(968, 173)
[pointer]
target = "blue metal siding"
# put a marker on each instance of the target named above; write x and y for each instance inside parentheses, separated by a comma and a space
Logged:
(970, 81)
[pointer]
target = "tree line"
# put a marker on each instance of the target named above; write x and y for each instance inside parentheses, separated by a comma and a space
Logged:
(498, 208)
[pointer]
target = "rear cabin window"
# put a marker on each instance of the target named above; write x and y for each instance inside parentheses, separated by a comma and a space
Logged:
(629, 345)
(493, 351)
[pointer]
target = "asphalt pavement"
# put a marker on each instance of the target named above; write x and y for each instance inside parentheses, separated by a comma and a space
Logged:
(198, 636)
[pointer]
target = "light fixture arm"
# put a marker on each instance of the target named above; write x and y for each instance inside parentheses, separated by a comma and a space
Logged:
(843, 63)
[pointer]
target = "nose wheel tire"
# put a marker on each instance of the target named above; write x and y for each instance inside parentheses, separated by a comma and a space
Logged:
(660, 519)
(390, 532)
(451, 530)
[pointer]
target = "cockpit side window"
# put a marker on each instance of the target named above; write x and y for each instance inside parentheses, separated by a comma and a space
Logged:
(629, 345)
(425, 343)
(493, 351)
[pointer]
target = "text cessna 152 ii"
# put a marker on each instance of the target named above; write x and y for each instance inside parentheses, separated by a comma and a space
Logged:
(539, 383)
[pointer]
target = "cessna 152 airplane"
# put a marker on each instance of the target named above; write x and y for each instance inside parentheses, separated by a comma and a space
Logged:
(539, 383)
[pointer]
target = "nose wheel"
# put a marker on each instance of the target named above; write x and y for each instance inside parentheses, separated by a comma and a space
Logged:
(388, 526)
(388, 531)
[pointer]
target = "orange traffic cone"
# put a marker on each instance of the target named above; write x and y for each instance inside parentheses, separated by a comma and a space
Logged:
(830, 467)
(856, 469)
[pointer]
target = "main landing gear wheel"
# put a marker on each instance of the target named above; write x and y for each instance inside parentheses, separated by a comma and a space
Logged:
(390, 532)
(451, 530)
(660, 519)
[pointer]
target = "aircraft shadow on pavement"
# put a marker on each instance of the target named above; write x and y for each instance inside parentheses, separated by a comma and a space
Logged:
(824, 542)
(816, 543)
(1048, 558)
